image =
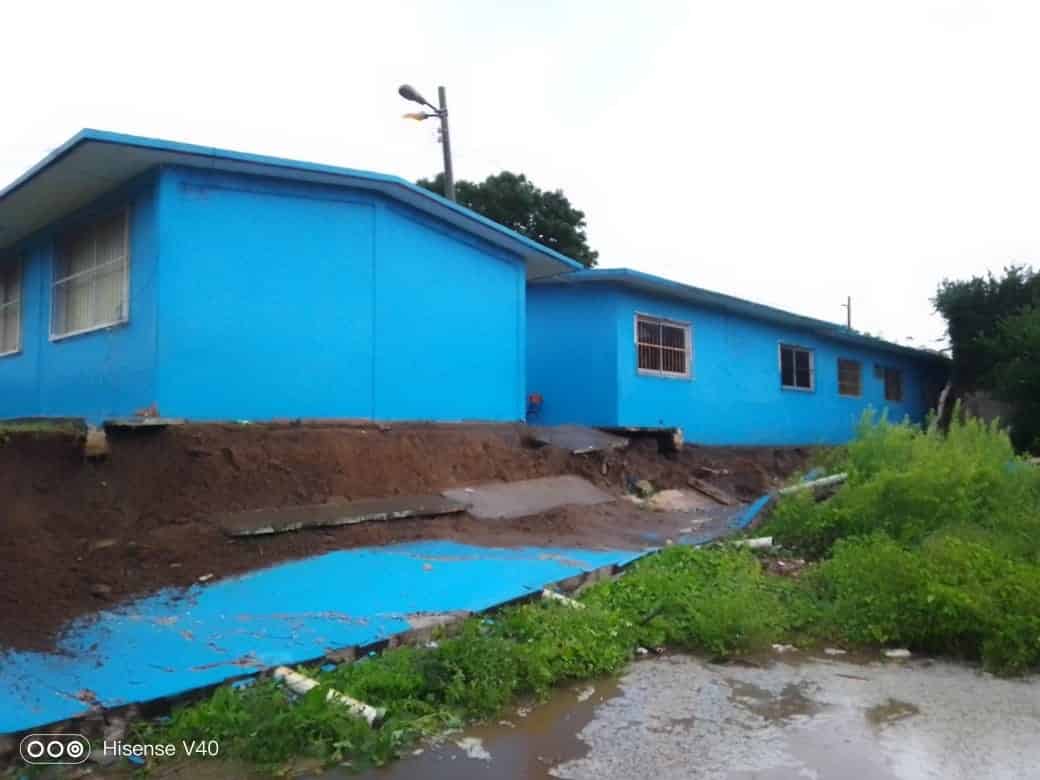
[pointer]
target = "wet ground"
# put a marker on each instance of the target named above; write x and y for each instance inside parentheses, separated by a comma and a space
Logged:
(784, 718)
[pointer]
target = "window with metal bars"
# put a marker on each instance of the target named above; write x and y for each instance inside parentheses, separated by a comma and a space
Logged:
(91, 276)
(797, 371)
(10, 308)
(663, 347)
(850, 377)
(893, 384)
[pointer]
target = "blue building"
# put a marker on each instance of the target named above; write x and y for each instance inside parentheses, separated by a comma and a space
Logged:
(619, 348)
(212, 285)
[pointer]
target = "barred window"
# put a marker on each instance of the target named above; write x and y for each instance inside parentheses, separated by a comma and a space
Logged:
(893, 384)
(797, 371)
(10, 308)
(850, 377)
(663, 347)
(91, 273)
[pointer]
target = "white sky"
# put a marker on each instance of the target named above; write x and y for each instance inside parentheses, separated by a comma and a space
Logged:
(788, 152)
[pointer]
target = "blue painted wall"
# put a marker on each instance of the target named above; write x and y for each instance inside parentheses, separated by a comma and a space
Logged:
(450, 324)
(572, 354)
(734, 395)
(258, 298)
(103, 373)
(295, 300)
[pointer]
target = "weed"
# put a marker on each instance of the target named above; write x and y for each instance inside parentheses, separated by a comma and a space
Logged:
(718, 601)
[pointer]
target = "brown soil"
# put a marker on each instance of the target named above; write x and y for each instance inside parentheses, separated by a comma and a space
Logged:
(80, 535)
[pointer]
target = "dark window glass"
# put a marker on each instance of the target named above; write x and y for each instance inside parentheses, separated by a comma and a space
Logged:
(850, 377)
(796, 367)
(787, 367)
(893, 384)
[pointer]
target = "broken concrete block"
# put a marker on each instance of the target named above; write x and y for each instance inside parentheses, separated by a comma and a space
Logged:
(711, 491)
(95, 445)
(101, 591)
(644, 488)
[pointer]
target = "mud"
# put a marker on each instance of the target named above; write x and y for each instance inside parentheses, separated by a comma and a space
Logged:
(84, 534)
(780, 719)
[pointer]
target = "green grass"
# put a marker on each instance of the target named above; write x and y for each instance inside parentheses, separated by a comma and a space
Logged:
(40, 426)
(931, 545)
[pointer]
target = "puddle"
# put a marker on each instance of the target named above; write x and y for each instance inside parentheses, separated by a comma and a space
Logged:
(791, 702)
(525, 743)
(891, 711)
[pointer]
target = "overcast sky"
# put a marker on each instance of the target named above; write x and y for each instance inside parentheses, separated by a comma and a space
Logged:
(788, 152)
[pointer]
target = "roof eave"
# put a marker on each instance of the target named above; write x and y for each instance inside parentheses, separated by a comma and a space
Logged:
(541, 260)
(688, 293)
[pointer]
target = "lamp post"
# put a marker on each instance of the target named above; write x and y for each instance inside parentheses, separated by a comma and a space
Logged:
(409, 92)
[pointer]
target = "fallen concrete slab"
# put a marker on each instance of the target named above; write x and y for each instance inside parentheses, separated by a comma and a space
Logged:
(577, 438)
(180, 640)
(504, 500)
(258, 522)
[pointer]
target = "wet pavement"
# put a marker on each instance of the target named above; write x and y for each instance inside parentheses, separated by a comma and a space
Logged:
(782, 718)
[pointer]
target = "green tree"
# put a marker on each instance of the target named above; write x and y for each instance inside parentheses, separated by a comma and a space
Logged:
(973, 310)
(994, 329)
(1015, 375)
(512, 200)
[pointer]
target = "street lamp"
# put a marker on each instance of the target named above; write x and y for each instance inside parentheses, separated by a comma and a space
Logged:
(409, 92)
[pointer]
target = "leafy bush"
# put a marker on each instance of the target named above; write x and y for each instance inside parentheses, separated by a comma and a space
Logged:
(716, 601)
(567, 644)
(910, 483)
(949, 596)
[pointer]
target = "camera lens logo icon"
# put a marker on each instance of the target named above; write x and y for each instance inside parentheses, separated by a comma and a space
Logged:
(54, 749)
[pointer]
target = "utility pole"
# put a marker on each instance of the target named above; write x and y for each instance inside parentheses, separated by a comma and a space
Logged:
(848, 312)
(441, 112)
(449, 173)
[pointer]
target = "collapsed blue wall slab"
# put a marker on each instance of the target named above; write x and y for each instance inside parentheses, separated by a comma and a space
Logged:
(734, 395)
(177, 641)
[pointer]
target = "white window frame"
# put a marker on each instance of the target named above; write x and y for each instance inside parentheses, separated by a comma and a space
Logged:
(55, 281)
(15, 304)
(858, 363)
(687, 330)
(812, 367)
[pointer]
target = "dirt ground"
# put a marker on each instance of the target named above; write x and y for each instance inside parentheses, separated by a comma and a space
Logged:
(83, 534)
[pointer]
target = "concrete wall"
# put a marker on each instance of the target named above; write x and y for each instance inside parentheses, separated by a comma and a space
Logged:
(291, 300)
(102, 373)
(734, 394)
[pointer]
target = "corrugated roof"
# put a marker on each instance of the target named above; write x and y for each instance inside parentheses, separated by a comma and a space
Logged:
(658, 285)
(95, 162)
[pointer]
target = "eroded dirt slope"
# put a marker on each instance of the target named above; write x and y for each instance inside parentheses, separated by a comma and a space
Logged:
(78, 535)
